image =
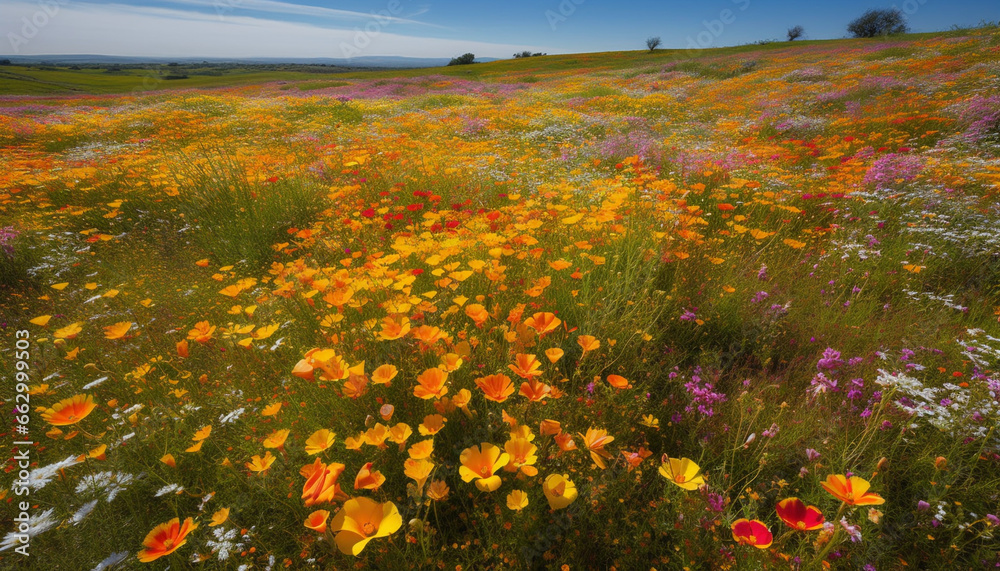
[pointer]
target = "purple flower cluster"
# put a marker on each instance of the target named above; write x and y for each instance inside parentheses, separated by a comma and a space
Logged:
(702, 393)
(7, 236)
(892, 167)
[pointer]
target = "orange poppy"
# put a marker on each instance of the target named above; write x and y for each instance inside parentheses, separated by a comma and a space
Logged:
(496, 387)
(526, 366)
(534, 390)
(367, 479)
(477, 313)
(166, 538)
(543, 322)
(595, 440)
(480, 464)
(317, 521)
(69, 411)
(321, 482)
(431, 384)
(853, 490)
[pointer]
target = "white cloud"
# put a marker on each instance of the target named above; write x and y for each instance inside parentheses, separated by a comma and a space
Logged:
(114, 29)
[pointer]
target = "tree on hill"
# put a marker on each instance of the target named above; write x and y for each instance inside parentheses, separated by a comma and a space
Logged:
(874, 23)
(464, 59)
(653, 43)
(795, 33)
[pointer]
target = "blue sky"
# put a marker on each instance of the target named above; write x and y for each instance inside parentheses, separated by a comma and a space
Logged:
(436, 28)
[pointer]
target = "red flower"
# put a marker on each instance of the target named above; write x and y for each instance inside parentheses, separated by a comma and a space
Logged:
(798, 515)
(752, 532)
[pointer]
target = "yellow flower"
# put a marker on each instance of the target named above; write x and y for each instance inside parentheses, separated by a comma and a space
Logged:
(481, 464)
(517, 500)
(260, 464)
(362, 520)
(522, 456)
(418, 470)
(319, 441)
(219, 517)
(276, 439)
(682, 472)
(400, 433)
(559, 490)
(422, 449)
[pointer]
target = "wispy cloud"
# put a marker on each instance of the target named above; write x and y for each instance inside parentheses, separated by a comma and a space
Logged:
(225, 7)
(117, 29)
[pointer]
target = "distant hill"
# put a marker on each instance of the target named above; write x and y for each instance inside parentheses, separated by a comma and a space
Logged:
(362, 61)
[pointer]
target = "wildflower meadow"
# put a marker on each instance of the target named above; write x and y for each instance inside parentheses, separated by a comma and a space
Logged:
(737, 309)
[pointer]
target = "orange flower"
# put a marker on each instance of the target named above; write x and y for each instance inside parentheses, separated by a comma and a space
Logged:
(522, 456)
(259, 463)
(69, 411)
(534, 390)
(317, 521)
(422, 449)
(565, 441)
(752, 532)
(797, 515)
(429, 334)
(394, 328)
(431, 384)
(376, 435)
(496, 387)
(477, 313)
(166, 538)
(853, 490)
(549, 427)
(554, 354)
(543, 322)
(384, 374)
(588, 343)
(276, 439)
(400, 433)
(595, 440)
(362, 520)
(368, 480)
(118, 330)
(321, 482)
(202, 332)
(432, 424)
(619, 382)
(182, 349)
(418, 470)
(437, 490)
(450, 362)
(635, 458)
(480, 464)
(526, 366)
